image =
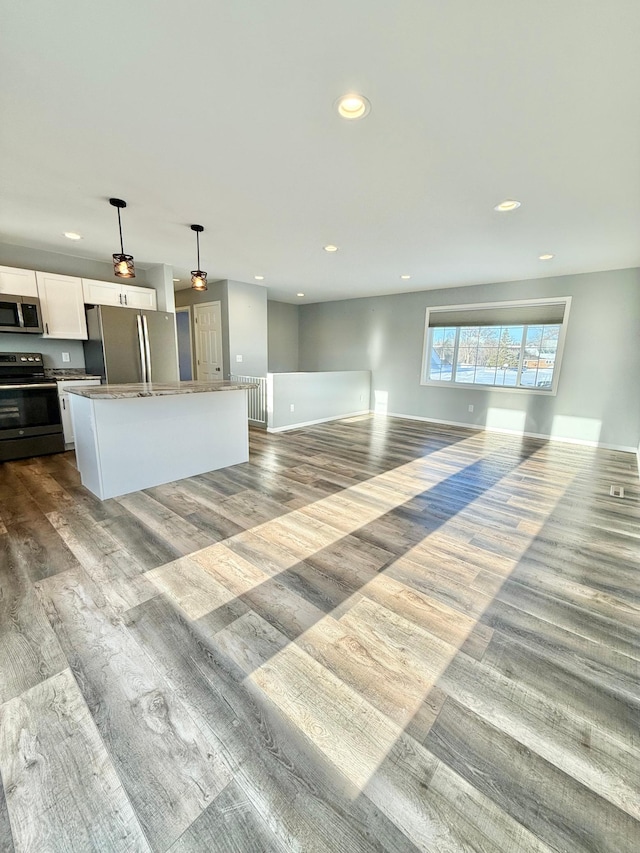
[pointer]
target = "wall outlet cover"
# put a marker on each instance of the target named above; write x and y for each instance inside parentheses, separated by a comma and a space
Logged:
(238, 358)
(291, 407)
(65, 356)
(470, 407)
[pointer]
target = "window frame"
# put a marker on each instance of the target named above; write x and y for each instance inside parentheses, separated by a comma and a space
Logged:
(479, 306)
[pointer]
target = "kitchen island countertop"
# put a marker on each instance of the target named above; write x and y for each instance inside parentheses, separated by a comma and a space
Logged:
(156, 389)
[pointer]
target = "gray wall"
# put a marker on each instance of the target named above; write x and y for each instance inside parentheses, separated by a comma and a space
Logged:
(61, 264)
(247, 328)
(282, 323)
(315, 397)
(599, 390)
(51, 349)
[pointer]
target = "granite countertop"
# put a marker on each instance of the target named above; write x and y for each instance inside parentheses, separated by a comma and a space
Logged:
(68, 374)
(155, 389)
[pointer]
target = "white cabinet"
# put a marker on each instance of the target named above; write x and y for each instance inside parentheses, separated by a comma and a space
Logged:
(139, 297)
(62, 303)
(101, 292)
(113, 293)
(18, 282)
(65, 408)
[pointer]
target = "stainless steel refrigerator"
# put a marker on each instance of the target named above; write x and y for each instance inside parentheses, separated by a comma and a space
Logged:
(127, 345)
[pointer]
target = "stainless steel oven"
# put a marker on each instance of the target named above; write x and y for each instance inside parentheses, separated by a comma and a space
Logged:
(30, 420)
(20, 314)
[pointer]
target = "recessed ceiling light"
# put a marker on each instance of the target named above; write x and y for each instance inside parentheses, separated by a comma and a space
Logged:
(330, 248)
(259, 277)
(405, 277)
(353, 106)
(507, 205)
(176, 279)
(545, 257)
(72, 235)
(299, 294)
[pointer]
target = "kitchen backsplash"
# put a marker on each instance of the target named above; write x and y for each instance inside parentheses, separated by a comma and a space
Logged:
(51, 349)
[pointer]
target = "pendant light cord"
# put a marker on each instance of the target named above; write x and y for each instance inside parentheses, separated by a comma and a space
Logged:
(120, 229)
(198, 245)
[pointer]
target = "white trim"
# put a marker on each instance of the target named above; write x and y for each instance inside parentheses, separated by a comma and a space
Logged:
(319, 421)
(484, 428)
(480, 306)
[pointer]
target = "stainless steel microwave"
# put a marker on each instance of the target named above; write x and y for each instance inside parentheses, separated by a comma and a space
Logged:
(20, 314)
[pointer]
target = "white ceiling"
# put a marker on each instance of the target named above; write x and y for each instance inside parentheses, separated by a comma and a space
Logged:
(222, 113)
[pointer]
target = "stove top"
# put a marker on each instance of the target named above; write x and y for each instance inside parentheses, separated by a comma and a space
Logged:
(22, 367)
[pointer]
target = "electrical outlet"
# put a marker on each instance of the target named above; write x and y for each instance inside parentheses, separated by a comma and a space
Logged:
(65, 356)
(238, 358)
(291, 407)
(470, 407)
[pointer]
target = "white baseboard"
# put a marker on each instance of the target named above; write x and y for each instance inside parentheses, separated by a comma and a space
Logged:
(319, 421)
(484, 428)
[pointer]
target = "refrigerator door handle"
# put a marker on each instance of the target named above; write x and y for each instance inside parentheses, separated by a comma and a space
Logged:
(143, 363)
(147, 348)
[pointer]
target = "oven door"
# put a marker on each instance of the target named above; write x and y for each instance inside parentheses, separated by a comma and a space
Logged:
(29, 409)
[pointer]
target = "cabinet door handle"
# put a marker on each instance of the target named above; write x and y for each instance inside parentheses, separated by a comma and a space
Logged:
(125, 299)
(120, 298)
(64, 403)
(46, 325)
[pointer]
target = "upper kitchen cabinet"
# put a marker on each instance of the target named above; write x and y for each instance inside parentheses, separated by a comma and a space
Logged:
(139, 297)
(113, 293)
(18, 282)
(62, 303)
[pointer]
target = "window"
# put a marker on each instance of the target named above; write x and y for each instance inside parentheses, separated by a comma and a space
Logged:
(506, 345)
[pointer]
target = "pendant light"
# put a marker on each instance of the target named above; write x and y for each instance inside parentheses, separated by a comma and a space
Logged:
(122, 264)
(198, 277)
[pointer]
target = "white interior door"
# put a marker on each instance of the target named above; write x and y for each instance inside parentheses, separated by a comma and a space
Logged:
(208, 323)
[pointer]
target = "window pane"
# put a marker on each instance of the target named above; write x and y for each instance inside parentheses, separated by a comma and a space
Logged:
(467, 354)
(469, 335)
(442, 349)
(489, 336)
(534, 338)
(540, 356)
(506, 375)
(486, 367)
(438, 336)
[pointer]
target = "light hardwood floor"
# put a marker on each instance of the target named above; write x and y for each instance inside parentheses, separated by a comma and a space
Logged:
(377, 635)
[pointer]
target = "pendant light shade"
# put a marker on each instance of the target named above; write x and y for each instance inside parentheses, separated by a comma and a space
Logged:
(122, 264)
(198, 277)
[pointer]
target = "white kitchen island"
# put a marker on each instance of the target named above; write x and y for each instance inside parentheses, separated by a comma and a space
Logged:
(131, 437)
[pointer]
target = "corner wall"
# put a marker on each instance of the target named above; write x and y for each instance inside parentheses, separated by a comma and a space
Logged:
(598, 397)
(282, 328)
(247, 328)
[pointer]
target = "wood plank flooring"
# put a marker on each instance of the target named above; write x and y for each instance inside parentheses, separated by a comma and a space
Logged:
(376, 635)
